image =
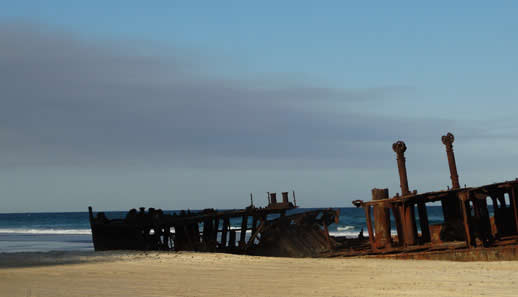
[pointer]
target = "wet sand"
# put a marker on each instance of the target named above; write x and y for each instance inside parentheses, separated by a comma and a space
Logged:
(198, 274)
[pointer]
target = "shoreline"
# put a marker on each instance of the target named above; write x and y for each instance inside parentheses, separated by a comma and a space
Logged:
(124, 273)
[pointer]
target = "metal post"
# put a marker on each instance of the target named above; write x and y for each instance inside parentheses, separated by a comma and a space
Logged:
(367, 209)
(224, 230)
(466, 215)
(396, 212)
(381, 219)
(409, 225)
(399, 147)
(423, 222)
(447, 140)
(407, 213)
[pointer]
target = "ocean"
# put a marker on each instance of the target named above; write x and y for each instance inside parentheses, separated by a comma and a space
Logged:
(70, 231)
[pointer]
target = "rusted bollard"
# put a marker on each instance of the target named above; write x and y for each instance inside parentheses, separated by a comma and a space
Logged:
(407, 210)
(381, 220)
(447, 140)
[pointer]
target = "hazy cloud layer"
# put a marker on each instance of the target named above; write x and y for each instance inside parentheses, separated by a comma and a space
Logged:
(68, 101)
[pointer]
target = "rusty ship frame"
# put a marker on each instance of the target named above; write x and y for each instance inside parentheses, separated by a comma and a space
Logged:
(272, 231)
(471, 229)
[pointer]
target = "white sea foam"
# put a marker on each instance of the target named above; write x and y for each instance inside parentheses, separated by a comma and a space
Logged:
(342, 233)
(354, 234)
(238, 229)
(345, 228)
(46, 231)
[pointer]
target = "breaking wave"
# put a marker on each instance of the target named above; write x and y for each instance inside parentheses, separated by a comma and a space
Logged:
(238, 229)
(340, 228)
(46, 231)
(342, 233)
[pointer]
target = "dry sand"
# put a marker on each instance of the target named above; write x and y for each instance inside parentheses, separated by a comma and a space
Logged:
(197, 274)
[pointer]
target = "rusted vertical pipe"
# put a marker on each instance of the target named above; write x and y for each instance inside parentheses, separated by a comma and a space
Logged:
(224, 230)
(381, 219)
(399, 223)
(409, 224)
(466, 215)
(367, 210)
(407, 209)
(447, 140)
(399, 147)
(423, 222)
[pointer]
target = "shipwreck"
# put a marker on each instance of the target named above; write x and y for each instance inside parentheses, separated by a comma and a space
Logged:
(271, 231)
(479, 223)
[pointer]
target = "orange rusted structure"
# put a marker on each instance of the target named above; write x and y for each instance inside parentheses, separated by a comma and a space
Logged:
(468, 232)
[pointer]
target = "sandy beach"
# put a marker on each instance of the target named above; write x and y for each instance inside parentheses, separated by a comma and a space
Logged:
(196, 274)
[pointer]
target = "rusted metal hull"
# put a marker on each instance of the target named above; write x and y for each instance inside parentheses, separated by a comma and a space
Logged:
(298, 235)
(468, 232)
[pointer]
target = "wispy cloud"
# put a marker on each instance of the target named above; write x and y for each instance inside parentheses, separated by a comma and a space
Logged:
(67, 101)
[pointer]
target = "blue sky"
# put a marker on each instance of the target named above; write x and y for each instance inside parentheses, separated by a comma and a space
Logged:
(459, 51)
(249, 98)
